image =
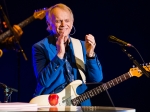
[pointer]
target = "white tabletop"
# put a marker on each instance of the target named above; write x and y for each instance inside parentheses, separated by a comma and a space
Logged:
(21, 106)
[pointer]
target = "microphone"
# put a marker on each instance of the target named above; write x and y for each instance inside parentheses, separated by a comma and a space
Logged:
(118, 41)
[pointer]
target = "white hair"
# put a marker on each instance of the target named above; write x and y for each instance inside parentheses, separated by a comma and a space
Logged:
(61, 6)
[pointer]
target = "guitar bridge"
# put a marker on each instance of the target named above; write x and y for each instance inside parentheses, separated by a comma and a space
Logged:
(67, 101)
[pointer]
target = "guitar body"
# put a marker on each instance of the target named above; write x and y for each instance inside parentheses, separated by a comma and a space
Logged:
(65, 96)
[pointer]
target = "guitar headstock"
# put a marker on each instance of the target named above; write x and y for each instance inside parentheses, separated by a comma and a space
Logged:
(40, 14)
(137, 72)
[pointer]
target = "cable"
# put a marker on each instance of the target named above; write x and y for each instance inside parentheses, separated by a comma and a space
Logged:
(6, 9)
(141, 58)
(110, 98)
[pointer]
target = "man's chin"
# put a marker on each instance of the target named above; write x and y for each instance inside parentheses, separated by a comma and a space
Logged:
(62, 33)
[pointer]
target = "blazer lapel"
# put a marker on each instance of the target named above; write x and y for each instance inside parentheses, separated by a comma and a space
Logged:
(73, 61)
(52, 46)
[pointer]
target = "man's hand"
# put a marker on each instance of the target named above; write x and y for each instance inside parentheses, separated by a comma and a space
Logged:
(18, 31)
(90, 45)
(60, 44)
(9, 41)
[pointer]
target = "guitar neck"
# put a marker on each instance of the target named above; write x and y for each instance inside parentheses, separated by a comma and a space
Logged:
(26, 22)
(8, 33)
(99, 89)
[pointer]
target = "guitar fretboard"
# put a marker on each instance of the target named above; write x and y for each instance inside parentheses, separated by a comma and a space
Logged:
(8, 33)
(99, 89)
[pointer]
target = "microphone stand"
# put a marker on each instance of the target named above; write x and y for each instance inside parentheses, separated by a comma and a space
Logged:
(7, 91)
(136, 63)
(17, 43)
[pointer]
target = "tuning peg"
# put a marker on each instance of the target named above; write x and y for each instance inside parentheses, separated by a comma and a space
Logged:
(139, 71)
(40, 9)
(133, 66)
(44, 8)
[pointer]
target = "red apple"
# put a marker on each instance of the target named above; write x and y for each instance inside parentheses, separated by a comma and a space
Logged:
(53, 99)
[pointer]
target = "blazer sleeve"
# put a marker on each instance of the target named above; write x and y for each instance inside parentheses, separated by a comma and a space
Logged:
(46, 70)
(93, 67)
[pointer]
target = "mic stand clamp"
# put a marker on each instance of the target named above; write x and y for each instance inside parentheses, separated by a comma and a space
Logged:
(7, 92)
(136, 63)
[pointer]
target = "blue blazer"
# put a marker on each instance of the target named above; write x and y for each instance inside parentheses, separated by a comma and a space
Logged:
(49, 68)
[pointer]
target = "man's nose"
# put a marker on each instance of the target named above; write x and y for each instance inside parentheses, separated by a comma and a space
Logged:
(62, 23)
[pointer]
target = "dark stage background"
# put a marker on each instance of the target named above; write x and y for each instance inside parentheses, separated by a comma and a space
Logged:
(128, 20)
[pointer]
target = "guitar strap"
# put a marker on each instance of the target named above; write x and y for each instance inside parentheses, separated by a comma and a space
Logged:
(79, 57)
